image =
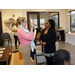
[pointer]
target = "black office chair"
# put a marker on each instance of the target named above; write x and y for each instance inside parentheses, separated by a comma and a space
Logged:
(40, 58)
(6, 37)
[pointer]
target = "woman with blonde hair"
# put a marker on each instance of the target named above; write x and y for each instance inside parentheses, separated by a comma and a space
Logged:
(26, 39)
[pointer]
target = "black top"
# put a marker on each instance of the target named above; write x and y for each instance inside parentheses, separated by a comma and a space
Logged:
(50, 39)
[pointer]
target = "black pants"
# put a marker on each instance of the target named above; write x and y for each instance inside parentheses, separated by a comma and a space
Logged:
(32, 54)
(16, 38)
(49, 60)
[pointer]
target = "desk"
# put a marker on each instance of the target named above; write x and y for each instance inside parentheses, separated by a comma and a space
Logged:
(70, 38)
(4, 60)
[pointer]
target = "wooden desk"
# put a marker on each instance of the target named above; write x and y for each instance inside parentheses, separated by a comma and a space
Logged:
(4, 60)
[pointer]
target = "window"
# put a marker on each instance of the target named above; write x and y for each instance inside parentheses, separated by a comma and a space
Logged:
(42, 21)
(44, 16)
(55, 18)
(72, 21)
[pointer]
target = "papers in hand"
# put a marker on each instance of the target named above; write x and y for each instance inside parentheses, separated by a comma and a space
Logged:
(2, 48)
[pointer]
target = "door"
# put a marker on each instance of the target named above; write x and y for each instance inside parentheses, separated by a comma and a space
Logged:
(0, 29)
(33, 16)
(40, 18)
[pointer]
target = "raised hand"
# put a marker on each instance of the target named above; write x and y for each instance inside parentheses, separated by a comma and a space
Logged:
(32, 24)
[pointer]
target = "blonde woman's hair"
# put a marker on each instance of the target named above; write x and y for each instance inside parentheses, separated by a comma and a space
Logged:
(20, 19)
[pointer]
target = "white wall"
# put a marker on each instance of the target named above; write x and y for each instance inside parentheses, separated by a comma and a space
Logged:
(8, 13)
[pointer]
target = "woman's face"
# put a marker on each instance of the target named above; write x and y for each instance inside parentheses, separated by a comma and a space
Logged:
(47, 24)
(24, 23)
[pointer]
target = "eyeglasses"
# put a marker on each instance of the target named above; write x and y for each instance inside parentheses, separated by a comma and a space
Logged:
(25, 21)
(46, 23)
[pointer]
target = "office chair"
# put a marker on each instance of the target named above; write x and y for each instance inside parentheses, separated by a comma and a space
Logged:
(6, 37)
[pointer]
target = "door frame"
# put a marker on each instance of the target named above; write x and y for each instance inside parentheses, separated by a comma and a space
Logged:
(1, 42)
(28, 22)
(1, 21)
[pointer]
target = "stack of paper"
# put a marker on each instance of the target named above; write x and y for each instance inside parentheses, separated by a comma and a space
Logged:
(1, 51)
(2, 48)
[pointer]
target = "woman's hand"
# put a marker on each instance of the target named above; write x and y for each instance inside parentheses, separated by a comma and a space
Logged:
(44, 43)
(32, 24)
(41, 42)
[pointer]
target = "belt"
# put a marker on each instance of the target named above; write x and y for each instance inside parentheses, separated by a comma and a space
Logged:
(51, 54)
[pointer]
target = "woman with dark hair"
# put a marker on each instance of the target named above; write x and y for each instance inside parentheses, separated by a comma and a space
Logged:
(62, 57)
(48, 38)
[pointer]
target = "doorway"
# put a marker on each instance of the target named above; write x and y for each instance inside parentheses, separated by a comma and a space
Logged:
(0, 29)
(33, 16)
(40, 18)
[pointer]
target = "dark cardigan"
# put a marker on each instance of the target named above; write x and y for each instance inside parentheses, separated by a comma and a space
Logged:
(50, 38)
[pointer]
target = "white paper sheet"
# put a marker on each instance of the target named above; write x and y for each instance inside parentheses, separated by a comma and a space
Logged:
(2, 48)
(1, 51)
